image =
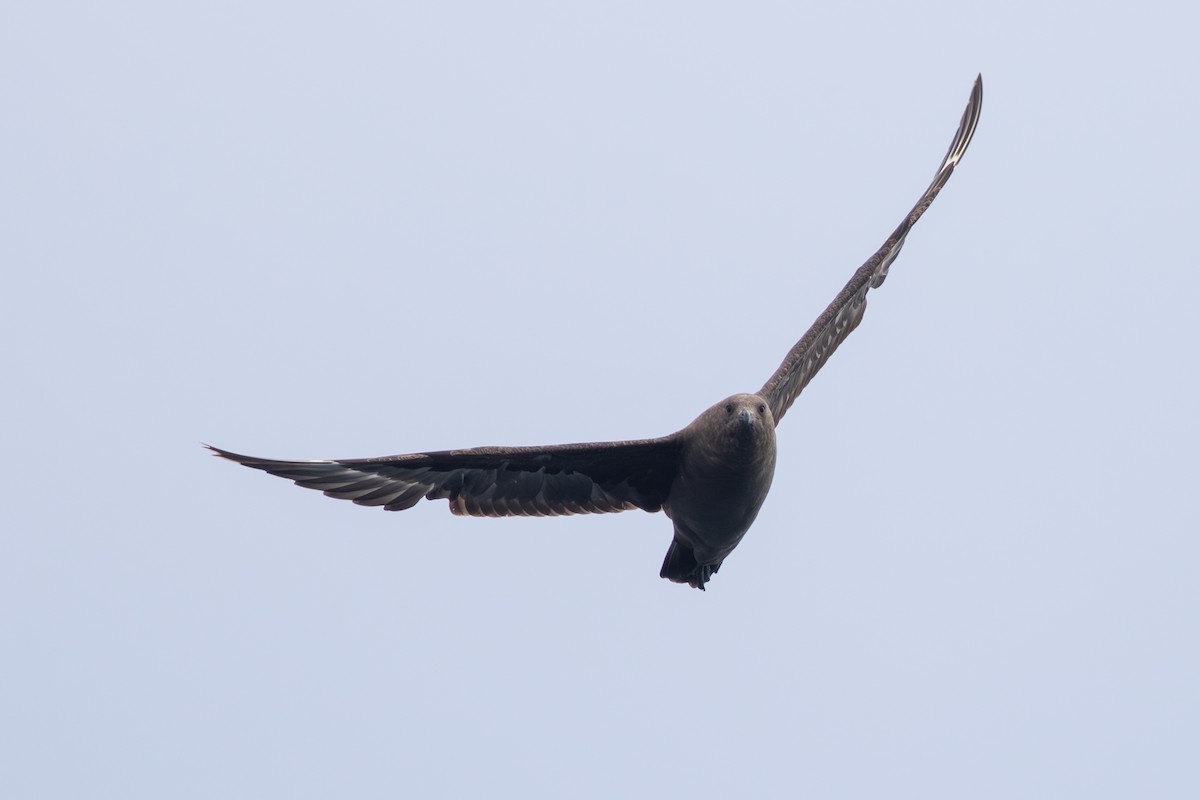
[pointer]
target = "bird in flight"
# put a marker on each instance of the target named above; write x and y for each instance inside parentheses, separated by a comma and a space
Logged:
(710, 478)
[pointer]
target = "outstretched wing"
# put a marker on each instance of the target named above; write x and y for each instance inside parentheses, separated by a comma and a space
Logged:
(809, 354)
(594, 478)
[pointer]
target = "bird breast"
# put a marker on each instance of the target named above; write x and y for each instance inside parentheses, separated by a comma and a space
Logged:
(715, 497)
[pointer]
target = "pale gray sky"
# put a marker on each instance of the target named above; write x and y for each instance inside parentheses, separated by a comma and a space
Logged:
(356, 229)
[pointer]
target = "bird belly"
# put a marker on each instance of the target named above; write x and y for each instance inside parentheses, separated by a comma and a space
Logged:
(713, 513)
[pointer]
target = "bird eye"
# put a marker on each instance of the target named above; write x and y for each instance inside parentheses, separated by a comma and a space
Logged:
(762, 409)
(729, 408)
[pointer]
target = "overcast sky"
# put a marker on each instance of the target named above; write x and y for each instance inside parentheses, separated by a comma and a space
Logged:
(358, 229)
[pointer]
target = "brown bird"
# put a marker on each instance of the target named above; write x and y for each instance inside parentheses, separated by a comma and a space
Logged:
(710, 478)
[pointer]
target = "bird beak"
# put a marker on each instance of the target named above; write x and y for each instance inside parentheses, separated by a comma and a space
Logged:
(745, 417)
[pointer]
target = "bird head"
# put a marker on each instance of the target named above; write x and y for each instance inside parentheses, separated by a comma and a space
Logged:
(743, 418)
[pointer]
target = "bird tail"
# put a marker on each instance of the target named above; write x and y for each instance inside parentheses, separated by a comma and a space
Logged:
(680, 566)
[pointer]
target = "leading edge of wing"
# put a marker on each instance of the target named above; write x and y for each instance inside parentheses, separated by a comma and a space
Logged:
(843, 315)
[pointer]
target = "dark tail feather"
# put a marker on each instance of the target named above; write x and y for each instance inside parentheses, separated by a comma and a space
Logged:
(680, 566)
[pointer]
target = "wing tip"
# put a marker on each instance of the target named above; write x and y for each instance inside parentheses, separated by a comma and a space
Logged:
(225, 454)
(976, 101)
(255, 461)
(966, 129)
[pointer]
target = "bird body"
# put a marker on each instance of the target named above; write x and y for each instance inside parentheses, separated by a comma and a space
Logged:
(710, 478)
(726, 464)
